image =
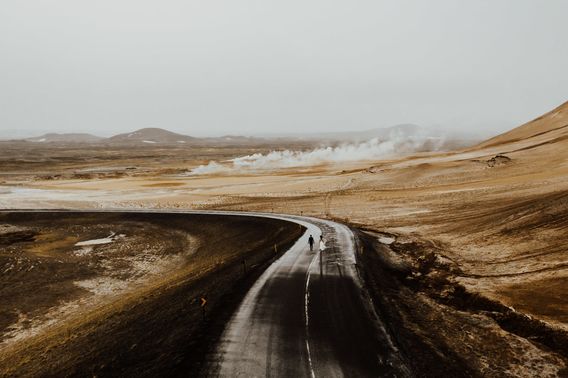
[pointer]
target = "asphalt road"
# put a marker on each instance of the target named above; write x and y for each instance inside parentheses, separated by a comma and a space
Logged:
(308, 315)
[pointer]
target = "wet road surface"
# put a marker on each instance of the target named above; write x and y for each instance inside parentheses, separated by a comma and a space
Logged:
(308, 316)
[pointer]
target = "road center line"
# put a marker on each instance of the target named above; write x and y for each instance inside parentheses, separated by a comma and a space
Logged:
(307, 316)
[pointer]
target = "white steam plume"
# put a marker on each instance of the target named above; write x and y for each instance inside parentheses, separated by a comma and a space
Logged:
(395, 144)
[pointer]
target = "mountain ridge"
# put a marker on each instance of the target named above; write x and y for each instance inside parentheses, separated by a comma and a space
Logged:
(160, 136)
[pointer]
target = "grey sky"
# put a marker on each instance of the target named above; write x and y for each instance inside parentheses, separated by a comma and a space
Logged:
(242, 67)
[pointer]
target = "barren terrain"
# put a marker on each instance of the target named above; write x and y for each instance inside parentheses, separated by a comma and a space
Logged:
(474, 241)
(119, 293)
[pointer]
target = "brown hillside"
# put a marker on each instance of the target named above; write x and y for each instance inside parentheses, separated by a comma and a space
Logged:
(548, 127)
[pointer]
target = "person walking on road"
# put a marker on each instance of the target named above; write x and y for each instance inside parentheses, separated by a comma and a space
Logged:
(321, 244)
(311, 242)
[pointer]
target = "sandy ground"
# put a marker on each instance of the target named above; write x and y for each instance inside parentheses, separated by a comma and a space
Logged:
(503, 225)
(495, 214)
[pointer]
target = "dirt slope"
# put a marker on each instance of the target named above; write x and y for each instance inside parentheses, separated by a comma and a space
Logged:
(551, 126)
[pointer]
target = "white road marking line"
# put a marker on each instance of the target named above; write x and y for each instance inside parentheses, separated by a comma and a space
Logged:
(306, 303)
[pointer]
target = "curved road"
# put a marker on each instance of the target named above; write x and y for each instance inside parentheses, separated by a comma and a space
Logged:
(308, 315)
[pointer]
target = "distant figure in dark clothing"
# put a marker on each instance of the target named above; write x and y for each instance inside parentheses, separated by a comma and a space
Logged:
(311, 242)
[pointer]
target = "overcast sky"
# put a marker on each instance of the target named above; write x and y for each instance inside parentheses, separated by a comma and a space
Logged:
(214, 67)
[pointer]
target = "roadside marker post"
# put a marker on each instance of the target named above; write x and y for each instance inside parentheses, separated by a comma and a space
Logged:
(203, 305)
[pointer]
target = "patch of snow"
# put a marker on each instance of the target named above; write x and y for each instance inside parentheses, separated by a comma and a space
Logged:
(181, 141)
(111, 238)
(83, 251)
(101, 288)
(104, 285)
(148, 141)
(386, 240)
(27, 326)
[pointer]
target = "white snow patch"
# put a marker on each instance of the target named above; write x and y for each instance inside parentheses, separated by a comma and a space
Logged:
(386, 240)
(149, 141)
(83, 251)
(109, 239)
(101, 288)
(104, 285)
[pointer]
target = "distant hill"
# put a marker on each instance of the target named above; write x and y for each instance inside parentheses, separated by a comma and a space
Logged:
(157, 136)
(65, 138)
(151, 135)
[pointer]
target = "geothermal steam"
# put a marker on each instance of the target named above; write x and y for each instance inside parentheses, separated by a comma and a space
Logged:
(394, 145)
